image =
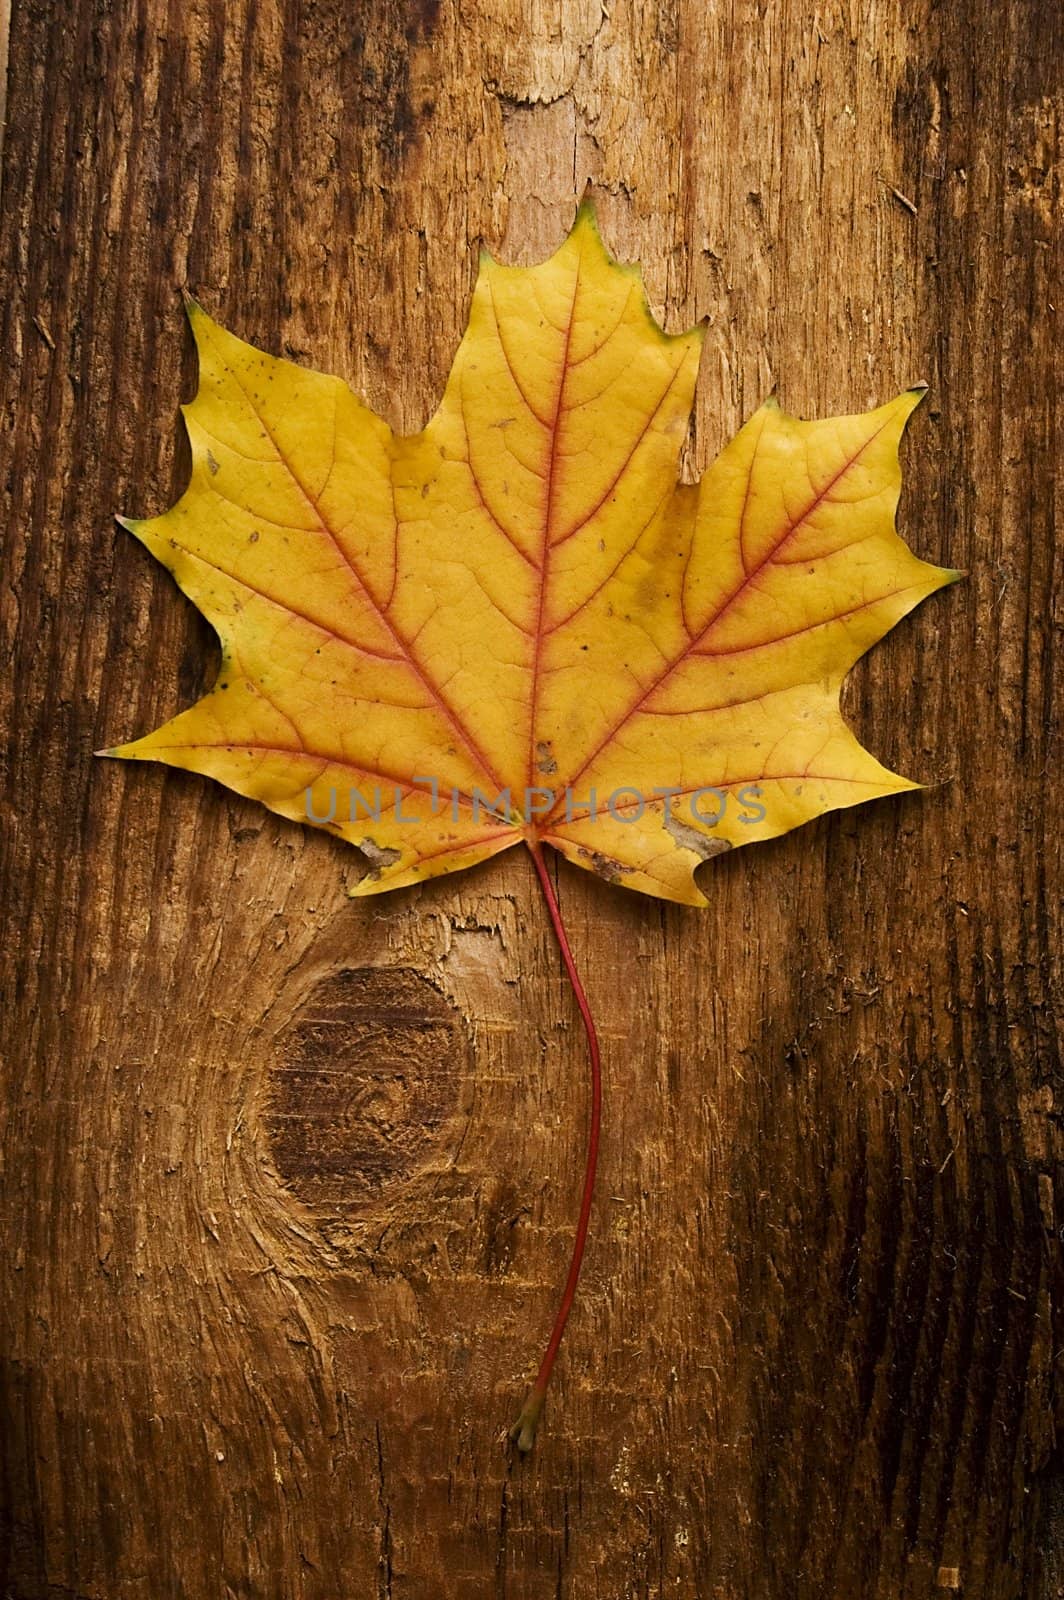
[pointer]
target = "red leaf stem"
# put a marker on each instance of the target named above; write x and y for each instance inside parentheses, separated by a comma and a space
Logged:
(523, 1432)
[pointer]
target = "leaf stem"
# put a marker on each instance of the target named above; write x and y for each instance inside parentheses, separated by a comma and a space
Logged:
(523, 1432)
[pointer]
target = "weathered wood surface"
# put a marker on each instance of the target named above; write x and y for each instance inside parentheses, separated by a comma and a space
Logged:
(281, 1244)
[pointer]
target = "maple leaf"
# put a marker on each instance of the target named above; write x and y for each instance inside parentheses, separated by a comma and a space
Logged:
(517, 625)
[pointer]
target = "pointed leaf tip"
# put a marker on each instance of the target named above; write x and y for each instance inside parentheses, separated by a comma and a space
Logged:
(910, 398)
(587, 212)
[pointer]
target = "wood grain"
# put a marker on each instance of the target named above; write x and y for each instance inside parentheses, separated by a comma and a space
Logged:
(818, 1348)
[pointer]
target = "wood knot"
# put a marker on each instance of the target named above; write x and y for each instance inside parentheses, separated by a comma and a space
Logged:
(366, 1077)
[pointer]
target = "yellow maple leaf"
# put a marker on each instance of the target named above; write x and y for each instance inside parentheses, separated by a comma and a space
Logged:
(516, 625)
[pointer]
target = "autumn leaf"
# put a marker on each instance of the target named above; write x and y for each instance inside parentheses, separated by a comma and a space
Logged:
(517, 625)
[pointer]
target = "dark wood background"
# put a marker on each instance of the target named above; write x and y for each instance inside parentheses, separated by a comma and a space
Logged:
(289, 1182)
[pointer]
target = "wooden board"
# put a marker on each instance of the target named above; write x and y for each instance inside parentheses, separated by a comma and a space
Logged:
(289, 1182)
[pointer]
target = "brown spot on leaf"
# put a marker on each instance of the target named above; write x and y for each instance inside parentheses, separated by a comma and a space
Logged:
(378, 856)
(545, 762)
(605, 866)
(704, 845)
